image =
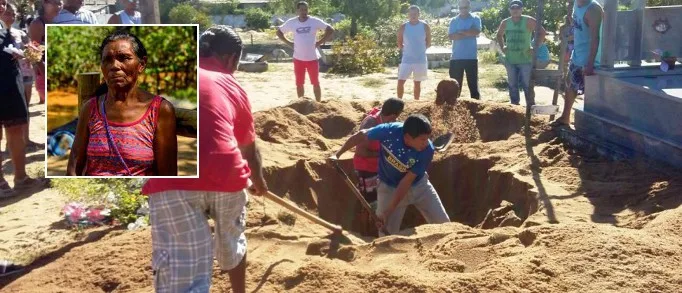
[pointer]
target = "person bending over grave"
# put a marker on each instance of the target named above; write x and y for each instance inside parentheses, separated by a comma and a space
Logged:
(366, 158)
(124, 130)
(406, 152)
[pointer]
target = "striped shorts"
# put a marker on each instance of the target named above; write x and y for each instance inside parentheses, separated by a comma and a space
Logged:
(182, 245)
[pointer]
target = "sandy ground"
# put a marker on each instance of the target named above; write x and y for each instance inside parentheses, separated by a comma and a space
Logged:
(574, 222)
(62, 108)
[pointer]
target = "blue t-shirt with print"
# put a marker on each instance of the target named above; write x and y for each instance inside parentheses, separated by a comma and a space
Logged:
(465, 48)
(396, 158)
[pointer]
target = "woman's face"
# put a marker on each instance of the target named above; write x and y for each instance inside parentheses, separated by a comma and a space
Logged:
(120, 65)
(51, 7)
(3, 6)
(9, 16)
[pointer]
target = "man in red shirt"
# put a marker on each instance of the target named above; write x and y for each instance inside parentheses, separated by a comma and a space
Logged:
(183, 247)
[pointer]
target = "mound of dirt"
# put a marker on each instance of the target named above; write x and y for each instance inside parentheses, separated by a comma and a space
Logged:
(550, 219)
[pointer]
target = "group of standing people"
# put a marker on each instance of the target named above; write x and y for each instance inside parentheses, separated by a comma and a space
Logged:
(521, 38)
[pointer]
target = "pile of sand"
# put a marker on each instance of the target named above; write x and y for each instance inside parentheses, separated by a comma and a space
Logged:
(616, 225)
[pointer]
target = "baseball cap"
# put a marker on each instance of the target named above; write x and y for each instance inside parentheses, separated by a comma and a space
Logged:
(515, 3)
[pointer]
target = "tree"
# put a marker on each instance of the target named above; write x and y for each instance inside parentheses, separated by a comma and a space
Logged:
(367, 12)
(319, 8)
(187, 14)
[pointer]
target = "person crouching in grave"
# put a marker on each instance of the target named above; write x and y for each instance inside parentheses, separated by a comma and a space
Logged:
(366, 158)
(406, 152)
(447, 92)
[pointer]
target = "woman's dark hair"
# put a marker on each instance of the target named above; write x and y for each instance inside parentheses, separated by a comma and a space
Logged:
(392, 106)
(220, 40)
(123, 34)
(416, 125)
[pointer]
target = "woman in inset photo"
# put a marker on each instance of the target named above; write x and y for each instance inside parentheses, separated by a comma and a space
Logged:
(124, 130)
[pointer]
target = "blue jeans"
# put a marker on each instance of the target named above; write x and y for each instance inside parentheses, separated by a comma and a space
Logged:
(519, 74)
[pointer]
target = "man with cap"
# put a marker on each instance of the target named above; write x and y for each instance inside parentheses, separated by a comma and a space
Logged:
(515, 34)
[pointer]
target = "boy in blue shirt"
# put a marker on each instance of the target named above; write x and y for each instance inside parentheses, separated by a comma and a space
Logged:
(406, 152)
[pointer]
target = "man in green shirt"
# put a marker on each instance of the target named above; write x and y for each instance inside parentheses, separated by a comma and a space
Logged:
(516, 33)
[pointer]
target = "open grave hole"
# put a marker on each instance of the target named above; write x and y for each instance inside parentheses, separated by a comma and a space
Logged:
(472, 190)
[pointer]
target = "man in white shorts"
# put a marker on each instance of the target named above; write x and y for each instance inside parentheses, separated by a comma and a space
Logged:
(414, 37)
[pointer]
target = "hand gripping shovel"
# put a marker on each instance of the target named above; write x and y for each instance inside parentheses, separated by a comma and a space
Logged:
(358, 195)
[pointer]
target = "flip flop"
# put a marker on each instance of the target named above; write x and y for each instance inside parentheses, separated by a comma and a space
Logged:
(558, 123)
(5, 190)
(7, 268)
(30, 183)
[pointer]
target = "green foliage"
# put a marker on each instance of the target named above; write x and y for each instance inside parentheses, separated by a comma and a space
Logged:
(187, 14)
(257, 19)
(439, 35)
(357, 56)
(189, 94)
(554, 13)
(488, 57)
(223, 8)
(319, 8)
(662, 2)
(342, 30)
(171, 61)
(385, 35)
(124, 203)
(368, 12)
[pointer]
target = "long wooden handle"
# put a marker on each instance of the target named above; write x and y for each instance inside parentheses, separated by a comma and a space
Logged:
(293, 208)
(359, 196)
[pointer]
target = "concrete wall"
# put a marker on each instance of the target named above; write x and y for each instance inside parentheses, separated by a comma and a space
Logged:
(626, 33)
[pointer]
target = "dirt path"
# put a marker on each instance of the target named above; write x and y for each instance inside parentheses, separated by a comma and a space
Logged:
(30, 224)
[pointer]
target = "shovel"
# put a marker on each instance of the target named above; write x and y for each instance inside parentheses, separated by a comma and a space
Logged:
(359, 196)
(442, 142)
(337, 232)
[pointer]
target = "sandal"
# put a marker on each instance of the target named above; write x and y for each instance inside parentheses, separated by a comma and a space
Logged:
(5, 190)
(30, 183)
(7, 268)
(558, 123)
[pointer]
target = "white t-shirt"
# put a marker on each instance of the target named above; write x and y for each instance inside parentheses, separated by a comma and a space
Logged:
(82, 16)
(305, 36)
(19, 38)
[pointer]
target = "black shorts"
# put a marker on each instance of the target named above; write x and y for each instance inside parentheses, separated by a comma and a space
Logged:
(367, 183)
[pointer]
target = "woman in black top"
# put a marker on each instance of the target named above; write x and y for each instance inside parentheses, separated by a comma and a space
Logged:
(13, 114)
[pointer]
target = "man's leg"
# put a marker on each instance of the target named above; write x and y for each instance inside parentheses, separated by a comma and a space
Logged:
(472, 78)
(421, 72)
(299, 74)
(229, 212)
(425, 199)
(385, 195)
(182, 256)
(404, 72)
(314, 74)
(513, 83)
(417, 89)
(575, 84)
(524, 71)
(457, 71)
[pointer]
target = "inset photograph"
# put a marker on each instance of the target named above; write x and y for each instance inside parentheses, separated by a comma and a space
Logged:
(122, 101)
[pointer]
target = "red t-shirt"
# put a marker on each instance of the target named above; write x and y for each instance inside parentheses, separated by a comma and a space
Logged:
(369, 164)
(225, 123)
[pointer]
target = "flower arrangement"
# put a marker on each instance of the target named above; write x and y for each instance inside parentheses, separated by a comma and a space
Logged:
(33, 52)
